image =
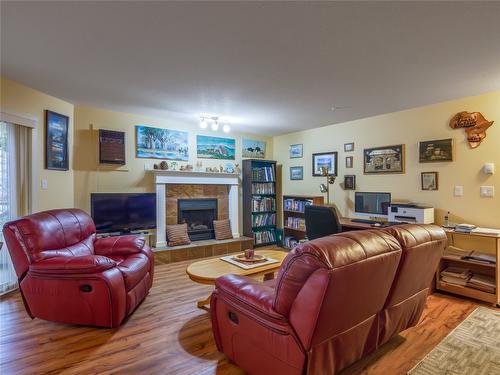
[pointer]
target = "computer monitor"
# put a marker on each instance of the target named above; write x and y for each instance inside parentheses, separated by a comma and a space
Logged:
(372, 204)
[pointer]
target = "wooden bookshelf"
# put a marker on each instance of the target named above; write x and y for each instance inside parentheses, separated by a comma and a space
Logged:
(483, 243)
(298, 214)
(259, 201)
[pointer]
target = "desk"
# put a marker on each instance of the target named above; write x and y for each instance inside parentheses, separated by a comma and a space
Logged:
(348, 224)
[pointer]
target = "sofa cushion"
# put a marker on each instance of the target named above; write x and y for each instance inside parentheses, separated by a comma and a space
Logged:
(222, 229)
(133, 268)
(177, 235)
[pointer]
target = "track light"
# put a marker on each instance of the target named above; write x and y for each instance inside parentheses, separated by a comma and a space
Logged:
(215, 125)
(203, 123)
(226, 128)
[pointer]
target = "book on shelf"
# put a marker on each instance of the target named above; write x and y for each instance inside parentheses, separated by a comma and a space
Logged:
(488, 231)
(481, 257)
(263, 188)
(261, 220)
(290, 242)
(296, 223)
(263, 174)
(456, 252)
(453, 252)
(264, 236)
(298, 205)
(464, 228)
(456, 275)
(482, 282)
(261, 204)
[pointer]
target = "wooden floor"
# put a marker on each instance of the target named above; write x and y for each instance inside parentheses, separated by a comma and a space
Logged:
(168, 335)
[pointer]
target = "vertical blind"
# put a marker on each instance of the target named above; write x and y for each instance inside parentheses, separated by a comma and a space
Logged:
(15, 189)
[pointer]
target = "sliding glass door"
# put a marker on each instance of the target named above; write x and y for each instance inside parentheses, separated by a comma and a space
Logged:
(8, 200)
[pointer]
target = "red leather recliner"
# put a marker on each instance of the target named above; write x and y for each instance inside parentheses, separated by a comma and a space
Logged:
(67, 275)
(335, 300)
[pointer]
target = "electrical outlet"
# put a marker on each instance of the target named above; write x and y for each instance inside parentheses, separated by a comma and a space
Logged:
(458, 191)
(487, 191)
(45, 184)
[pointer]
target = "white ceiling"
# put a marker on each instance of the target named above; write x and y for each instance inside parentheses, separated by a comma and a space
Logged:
(273, 67)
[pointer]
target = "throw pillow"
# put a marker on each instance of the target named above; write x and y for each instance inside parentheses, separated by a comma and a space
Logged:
(222, 229)
(177, 235)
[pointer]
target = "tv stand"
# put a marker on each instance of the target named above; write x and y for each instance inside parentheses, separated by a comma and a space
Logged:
(147, 233)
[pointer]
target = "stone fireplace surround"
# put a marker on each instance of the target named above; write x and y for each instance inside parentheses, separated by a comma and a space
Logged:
(174, 185)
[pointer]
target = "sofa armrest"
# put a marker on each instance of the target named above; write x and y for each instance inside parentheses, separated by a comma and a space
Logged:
(119, 245)
(72, 265)
(250, 292)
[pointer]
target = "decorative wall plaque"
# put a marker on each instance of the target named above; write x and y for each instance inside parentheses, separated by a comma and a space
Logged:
(475, 126)
(111, 147)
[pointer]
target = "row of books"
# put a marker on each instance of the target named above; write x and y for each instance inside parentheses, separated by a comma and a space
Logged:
(261, 220)
(291, 204)
(263, 174)
(264, 236)
(295, 223)
(263, 204)
(464, 277)
(290, 242)
(263, 188)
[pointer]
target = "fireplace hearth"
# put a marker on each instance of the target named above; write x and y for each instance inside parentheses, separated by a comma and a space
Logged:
(199, 215)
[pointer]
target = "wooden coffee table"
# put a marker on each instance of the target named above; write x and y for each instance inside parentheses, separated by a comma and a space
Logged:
(206, 271)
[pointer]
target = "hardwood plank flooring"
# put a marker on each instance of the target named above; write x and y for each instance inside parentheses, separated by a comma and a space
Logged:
(167, 334)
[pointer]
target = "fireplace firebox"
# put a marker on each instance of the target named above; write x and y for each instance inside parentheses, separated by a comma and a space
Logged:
(199, 215)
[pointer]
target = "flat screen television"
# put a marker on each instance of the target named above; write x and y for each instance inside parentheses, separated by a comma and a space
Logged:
(372, 204)
(123, 212)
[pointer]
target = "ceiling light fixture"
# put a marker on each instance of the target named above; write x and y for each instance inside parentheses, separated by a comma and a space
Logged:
(213, 121)
(226, 128)
(203, 123)
(215, 125)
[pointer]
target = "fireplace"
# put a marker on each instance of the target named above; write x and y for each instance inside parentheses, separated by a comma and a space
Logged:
(199, 215)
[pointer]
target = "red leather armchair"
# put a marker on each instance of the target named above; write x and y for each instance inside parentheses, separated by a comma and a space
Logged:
(67, 275)
(335, 300)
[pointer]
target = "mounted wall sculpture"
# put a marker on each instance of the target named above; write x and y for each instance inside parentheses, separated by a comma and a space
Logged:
(475, 126)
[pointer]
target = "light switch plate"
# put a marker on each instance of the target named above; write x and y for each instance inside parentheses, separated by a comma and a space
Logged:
(487, 191)
(489, 168)
(45, 184)
(458, 191)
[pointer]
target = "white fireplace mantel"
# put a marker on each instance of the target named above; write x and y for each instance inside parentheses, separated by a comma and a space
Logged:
(163, 178)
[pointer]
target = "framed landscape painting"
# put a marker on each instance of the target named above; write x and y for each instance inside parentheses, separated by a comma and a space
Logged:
(56, 141)
(386, 159)
(252, 148)
(296, 151)
(208, 147)
(159, 143)
(296, 173)
(435, 151)
(324, 159)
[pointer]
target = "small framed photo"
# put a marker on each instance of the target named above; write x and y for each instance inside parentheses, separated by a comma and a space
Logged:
(349, 182)
(326, 160)
(349, 162)
(436, 151)
(296, 173)
(56, 141)
(429, 180)
(296, 151)
(349, 147)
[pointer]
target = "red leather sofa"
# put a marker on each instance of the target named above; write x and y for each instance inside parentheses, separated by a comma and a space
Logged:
(335, 300)
(67, 275)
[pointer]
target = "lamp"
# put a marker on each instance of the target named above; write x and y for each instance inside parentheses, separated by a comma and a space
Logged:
(330, 180)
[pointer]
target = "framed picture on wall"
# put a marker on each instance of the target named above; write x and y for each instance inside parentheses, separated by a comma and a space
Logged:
(296, 173)
(436, 151)
(349, 147)
(111, 147)
(252, 148)
(349, 182)
(159, 143)
(326, 160)
(296, 151)
(429, 180)
(56, 141)
(349, 162)
(386, 159)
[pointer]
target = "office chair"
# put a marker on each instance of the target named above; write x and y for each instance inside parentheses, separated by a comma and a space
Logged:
(321, 221)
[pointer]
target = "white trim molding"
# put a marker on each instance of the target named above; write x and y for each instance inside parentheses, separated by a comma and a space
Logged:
(18, 119)
(164, 178)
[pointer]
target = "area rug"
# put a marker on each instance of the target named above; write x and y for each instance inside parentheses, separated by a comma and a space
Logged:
(473, 348)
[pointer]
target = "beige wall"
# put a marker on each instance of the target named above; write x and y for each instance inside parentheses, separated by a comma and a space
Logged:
(23, 101)
(407, 127)
(92, 177)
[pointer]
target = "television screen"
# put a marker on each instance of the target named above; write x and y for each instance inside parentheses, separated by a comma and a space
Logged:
(372, 203)
(123, 212)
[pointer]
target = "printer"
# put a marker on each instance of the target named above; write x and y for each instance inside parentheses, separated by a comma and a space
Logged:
(410, 213)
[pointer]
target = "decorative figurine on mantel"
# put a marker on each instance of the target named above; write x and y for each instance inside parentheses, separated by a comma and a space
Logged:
(164, 165)
(199, 166)
(475, 126)
(173, 165)
(229, 168)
